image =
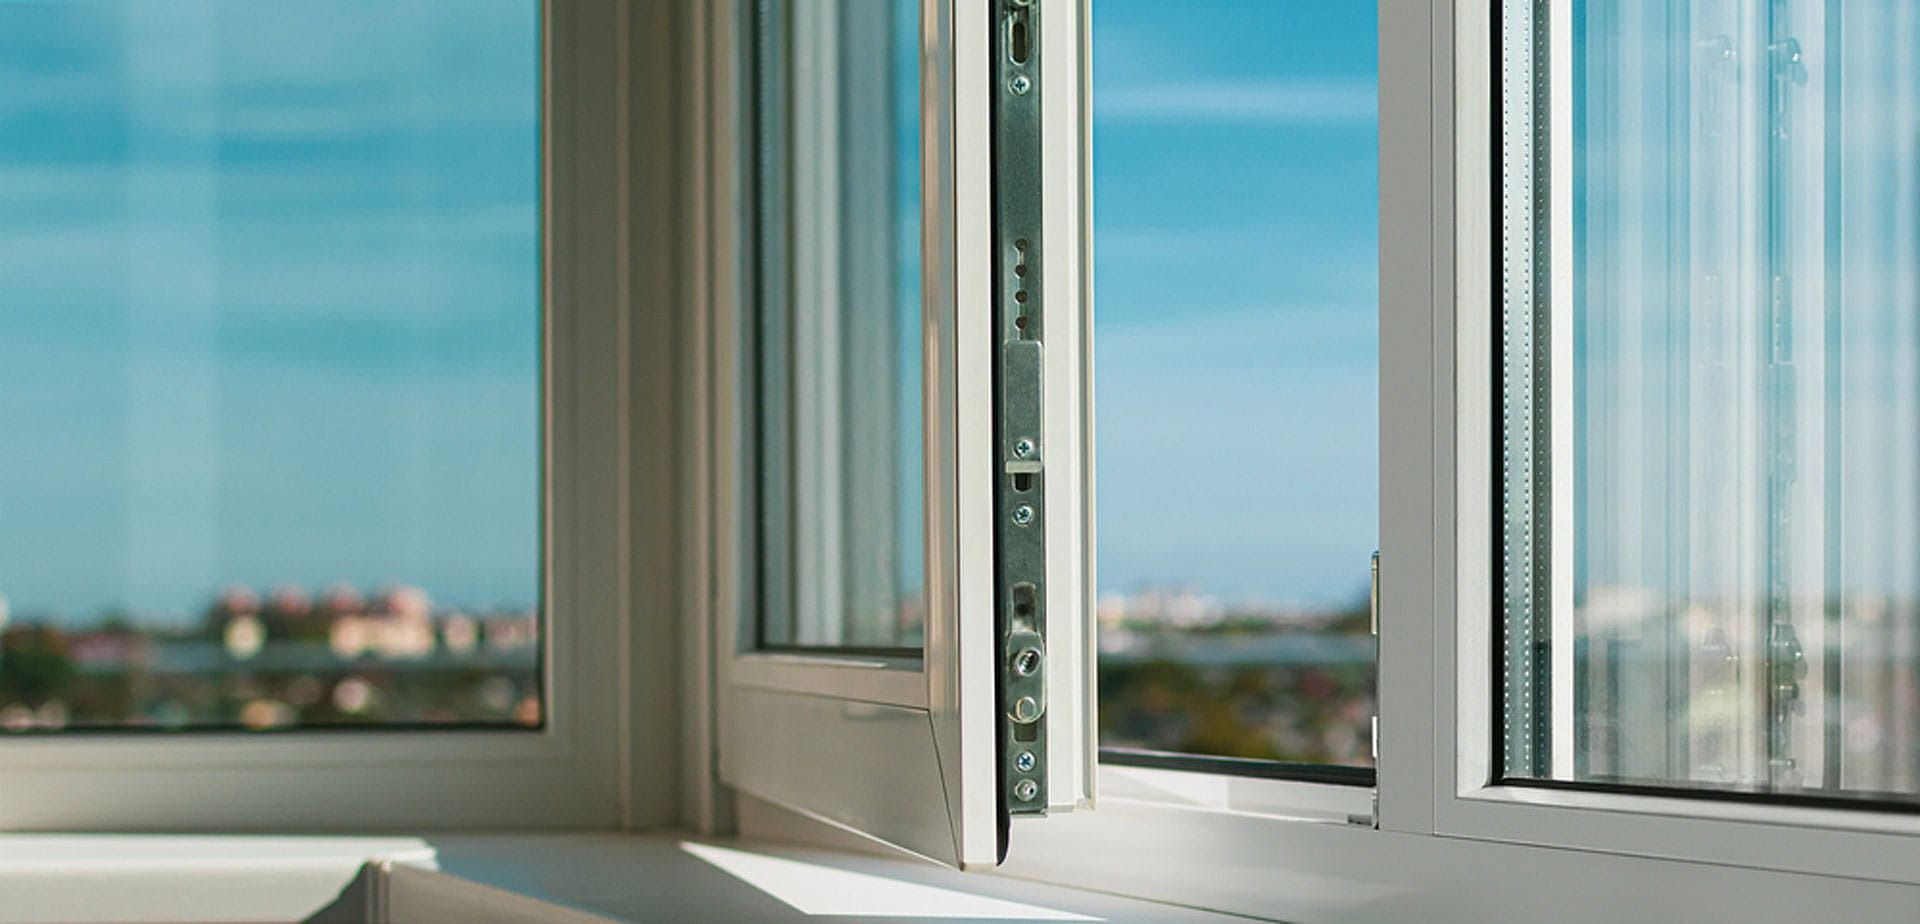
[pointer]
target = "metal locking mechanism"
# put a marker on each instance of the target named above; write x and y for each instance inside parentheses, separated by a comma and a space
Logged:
(1020, 487)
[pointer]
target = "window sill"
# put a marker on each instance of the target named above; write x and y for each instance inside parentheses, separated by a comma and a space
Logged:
(1297, 867)
(1274, 851)
(664, 876)
(183, 877)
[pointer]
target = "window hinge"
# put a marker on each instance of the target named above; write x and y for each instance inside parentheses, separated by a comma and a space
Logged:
(1373, 622)
(1373, 595)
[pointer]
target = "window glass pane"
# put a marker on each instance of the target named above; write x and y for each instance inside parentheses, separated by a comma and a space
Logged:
(1235, 184)
(839, 334)
(269, 363)
(1741, 602)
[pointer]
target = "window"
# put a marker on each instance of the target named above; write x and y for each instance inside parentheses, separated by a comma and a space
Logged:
(270, 339)
(1236, 275)
(873, 669)
(1708, 340)
(840, 439)
(1450, 801)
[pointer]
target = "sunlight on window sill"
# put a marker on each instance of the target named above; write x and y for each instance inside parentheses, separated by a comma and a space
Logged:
(816, 890)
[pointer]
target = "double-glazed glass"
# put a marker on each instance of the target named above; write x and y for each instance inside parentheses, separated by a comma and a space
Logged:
(1236, 376)
(1712, 359)
(269, 363)
(837, 341)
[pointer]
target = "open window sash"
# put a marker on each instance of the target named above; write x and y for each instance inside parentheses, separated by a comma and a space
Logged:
(934, 728)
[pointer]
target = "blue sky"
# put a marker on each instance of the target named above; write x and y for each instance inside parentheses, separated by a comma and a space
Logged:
(1236, 293)
(268, 277)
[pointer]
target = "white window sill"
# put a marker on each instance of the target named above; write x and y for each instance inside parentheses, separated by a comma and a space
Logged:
(664, 876)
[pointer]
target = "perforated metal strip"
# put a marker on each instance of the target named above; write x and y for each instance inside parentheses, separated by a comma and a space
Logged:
(1525, 399)
(1021, 549)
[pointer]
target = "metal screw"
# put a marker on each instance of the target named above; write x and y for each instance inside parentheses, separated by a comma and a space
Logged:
(1019, 84)
(1026, 709)
(1025, 762)
(1022, 515)
(1027, 661)
(1025, 790)
(1022, 448)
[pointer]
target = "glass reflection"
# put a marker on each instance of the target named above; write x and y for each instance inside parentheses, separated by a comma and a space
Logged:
(839, 426)
(1746, 343)
(269, 364)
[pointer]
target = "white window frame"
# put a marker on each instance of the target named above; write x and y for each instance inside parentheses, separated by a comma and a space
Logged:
(1443, 845)
(605, 81)
(807, 731)
(1859, 842)
(901, 749)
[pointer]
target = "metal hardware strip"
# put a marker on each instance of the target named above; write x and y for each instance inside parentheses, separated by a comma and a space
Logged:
(1525, 450)
(1020, 489)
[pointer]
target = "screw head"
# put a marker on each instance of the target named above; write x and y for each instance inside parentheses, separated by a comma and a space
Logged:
(1025, 762)
(1020, 84)
(1022, 515)
(1025, 790)
(1026, 661)
(1023, 448)
(1026, 709)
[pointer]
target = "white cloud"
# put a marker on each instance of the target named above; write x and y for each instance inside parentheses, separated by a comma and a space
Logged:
(1305, 102)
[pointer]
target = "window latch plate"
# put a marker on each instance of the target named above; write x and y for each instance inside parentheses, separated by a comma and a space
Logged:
(1019, 361)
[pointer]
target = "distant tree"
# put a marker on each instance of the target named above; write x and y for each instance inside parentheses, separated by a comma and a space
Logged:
(35, 665)
(1356, 618)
